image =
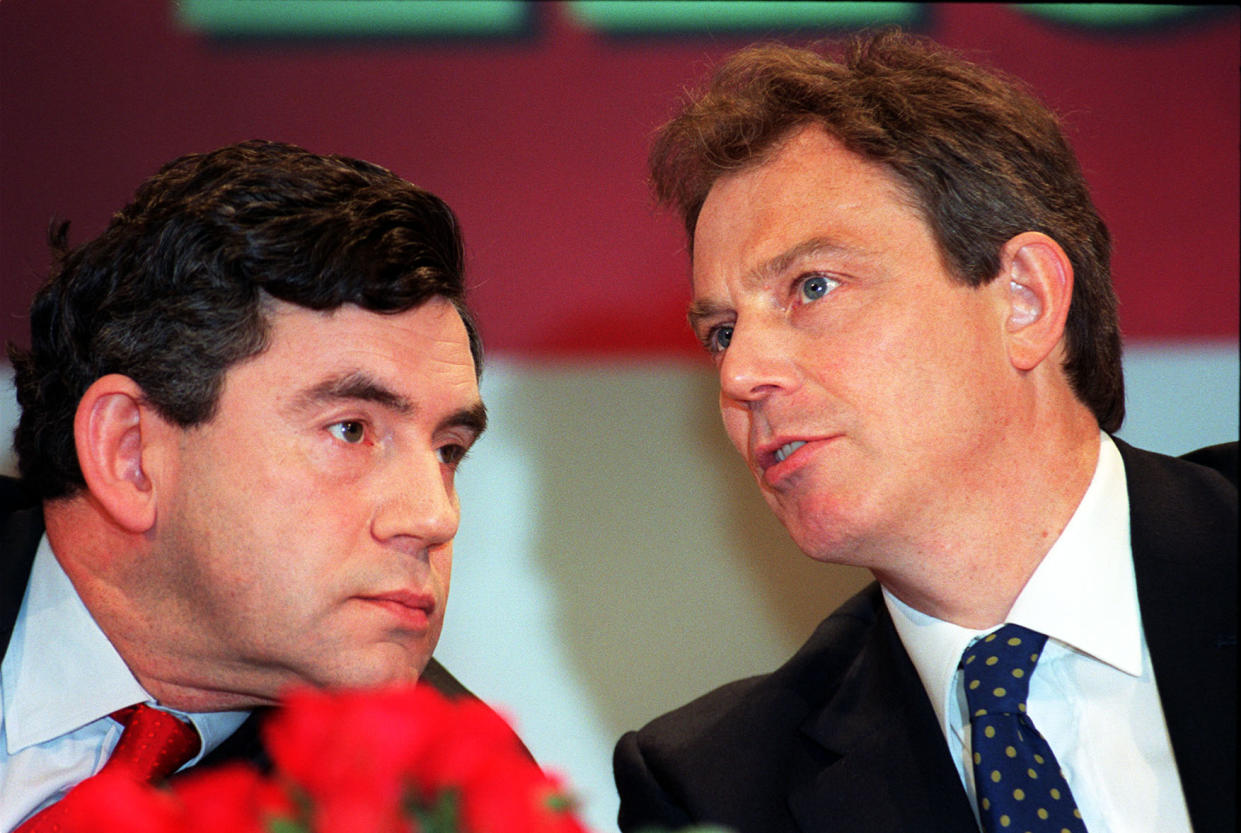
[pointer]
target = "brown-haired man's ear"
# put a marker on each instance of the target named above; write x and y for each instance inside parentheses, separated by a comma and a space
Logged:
(1039, 279)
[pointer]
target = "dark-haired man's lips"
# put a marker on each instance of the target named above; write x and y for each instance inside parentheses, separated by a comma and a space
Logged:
(412, 610)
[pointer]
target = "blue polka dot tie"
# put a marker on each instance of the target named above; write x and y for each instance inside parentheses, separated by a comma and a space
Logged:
(1018, 782)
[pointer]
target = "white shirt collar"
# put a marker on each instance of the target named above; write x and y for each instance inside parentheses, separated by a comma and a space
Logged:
(1082, 594)
(60, 671)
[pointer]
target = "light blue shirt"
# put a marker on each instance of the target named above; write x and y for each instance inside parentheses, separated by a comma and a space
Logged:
(59, 681)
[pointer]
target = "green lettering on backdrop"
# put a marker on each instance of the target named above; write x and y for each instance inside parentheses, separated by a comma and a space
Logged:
(448, 18)
(1105, 15)
(354, 18)
(674, 16)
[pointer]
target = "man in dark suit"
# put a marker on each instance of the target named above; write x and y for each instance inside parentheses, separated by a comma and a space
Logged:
(242, 412)
(904, 284)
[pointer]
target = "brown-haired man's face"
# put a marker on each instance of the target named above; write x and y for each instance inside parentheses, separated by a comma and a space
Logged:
(306, 529)
(861, 384)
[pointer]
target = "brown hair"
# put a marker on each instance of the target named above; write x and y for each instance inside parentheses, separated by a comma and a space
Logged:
(982, 158)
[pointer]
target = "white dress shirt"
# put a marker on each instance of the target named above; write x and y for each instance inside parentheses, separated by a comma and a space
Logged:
(59, 681)
(1092, 694)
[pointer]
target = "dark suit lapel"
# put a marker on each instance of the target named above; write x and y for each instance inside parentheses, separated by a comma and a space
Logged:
(1183, 527)
(888, 765)
(243, 745)
(20, 531)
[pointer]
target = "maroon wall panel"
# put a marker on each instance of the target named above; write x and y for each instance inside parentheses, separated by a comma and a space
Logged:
(538, 141)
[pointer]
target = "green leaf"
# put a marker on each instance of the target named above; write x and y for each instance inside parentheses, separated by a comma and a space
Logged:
(283, 824)
(443, 816)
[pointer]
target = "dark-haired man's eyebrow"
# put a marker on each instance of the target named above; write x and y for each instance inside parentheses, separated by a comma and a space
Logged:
(361, 387)
(352, 386)
(473, 419)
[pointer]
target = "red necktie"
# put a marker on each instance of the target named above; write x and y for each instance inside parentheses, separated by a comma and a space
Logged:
(154, 745)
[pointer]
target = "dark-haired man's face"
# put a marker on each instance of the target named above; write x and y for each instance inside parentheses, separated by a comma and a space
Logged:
(306, 531)
(861, 384)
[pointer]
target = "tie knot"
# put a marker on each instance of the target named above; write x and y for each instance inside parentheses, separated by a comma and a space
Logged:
(154, 745)
(997, 670)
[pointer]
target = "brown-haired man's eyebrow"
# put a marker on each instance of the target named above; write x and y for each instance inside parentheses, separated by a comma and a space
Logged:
(699, 310)
(772, 269)
(813, 247)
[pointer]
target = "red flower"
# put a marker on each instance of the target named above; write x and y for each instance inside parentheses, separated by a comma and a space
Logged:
(114, 801)
(514, 796)
(233, 798)
(353, 752)
(470, 740)
(393, 760)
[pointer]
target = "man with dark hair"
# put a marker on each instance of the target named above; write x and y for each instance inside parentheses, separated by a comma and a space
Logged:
(904, 285)
(242, 413)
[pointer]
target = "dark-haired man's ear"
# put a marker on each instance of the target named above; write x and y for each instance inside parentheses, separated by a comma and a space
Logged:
(108, 430)
(1038, 279)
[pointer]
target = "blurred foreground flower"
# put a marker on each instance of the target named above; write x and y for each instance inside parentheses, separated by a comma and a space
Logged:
(391, 760)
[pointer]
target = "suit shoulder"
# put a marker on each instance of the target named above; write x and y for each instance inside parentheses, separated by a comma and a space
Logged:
(1199, 485)
(1214, 464)
(14, 496)
(1222, 458)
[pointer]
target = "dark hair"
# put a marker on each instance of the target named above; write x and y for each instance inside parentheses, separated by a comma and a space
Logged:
(982, 158)
(176, 290)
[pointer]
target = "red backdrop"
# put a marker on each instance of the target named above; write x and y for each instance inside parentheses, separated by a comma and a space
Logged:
(538, 141)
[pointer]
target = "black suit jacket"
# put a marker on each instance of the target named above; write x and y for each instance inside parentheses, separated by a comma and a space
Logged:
(21, 527)
(843, 736)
